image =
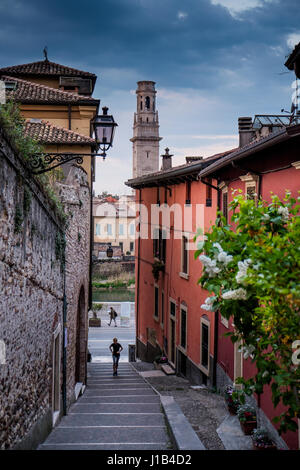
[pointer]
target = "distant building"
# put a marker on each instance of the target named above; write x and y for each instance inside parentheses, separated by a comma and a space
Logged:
(114, 224)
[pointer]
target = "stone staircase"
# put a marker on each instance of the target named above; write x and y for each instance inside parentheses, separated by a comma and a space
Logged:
(115, 413)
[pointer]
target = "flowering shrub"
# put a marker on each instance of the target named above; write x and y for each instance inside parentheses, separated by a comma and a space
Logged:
(246, 413)
(251, 270)
(234, 397)
(261, 438)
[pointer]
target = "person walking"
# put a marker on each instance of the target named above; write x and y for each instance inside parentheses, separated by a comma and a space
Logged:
(115, 349)
(113, 315)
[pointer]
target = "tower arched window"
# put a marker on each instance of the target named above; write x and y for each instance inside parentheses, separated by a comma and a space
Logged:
(147, 102)
(141, 105)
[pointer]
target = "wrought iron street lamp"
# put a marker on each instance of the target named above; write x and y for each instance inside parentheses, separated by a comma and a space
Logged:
(103, 127)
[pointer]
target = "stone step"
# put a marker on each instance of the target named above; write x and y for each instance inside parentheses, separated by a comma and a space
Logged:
(80, 407)
(108, 446)
(116, 392)
(114, 435)
(121, 399)
(167, 369)
(118, 386)
(91, 419)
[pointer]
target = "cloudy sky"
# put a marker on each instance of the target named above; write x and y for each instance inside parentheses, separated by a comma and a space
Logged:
(212, 61)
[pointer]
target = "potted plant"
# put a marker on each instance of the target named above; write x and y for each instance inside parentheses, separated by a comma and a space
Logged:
(234, 398)
(261, 440)
(247, 416)
(95, 321)
(157, 266)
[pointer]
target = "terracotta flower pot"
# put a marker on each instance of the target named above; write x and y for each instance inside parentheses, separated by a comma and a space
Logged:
(248, 427)
(265, 447)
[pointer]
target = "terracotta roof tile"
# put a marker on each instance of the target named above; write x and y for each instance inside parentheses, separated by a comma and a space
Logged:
(29, 92)
(44, 67)
(46, 133)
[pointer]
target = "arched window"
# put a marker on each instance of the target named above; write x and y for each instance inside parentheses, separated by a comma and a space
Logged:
(141, 105)
(147, 102)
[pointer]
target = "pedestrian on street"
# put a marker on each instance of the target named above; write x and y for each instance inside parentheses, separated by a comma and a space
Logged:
(113, 315)
(115, 349)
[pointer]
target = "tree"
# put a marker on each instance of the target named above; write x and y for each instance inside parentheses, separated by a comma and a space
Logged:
(252, 268)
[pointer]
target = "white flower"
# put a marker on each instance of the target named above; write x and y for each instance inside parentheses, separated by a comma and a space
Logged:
(248, 351)
(224, 258)
(217, 245)
(265, 374)
(284, 212)
(208, 304)
(242, 272)
(210, 265)
(266, 217)
(237, 294)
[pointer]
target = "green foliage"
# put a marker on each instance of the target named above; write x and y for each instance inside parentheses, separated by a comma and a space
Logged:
(13, 125)
(97, 306)
(18, 220)
(157, 267)
(252, 268)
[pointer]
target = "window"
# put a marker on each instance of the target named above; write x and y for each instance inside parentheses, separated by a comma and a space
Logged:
(147, 102)
(109, 229)
(162, 308)
(159, 244)
(121, 229)
(209, 193)
(131, 246)
(188, 192)
(204, 351)
(251, 191)
(131, 229)
(185, 256)
(183, 324)
(98, 229)
(121, 246)
(156, 297)
(172, 308)
(225, 204)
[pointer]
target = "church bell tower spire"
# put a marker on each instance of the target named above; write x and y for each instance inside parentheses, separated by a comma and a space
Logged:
(145, 131)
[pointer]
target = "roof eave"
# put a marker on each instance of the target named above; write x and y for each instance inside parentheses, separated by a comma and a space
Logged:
(285, 134)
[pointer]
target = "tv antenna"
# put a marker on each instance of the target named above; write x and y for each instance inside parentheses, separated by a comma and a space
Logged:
(45, 51)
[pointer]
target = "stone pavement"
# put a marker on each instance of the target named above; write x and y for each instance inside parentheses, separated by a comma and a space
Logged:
(114, 413)
(206, 411)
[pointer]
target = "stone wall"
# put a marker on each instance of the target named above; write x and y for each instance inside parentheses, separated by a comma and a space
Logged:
(35, 272)
(31, 303)
(75, 196)
(115, 268)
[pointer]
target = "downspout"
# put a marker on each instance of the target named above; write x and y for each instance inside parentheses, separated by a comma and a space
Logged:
(138, 275)
(216, 319)
(70, 116)
(65, 304)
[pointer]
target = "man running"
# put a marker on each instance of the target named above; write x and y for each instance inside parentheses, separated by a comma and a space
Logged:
(115, 349)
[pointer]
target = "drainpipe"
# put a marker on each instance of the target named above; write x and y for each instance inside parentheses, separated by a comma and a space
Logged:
(138, 275)
(65, 304)
(70, 116)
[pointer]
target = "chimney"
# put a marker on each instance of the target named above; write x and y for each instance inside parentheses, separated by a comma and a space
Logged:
(246, 132)
(166, 160)
(193, 159)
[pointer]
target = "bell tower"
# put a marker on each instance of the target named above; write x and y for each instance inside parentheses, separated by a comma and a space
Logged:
(145, 131)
